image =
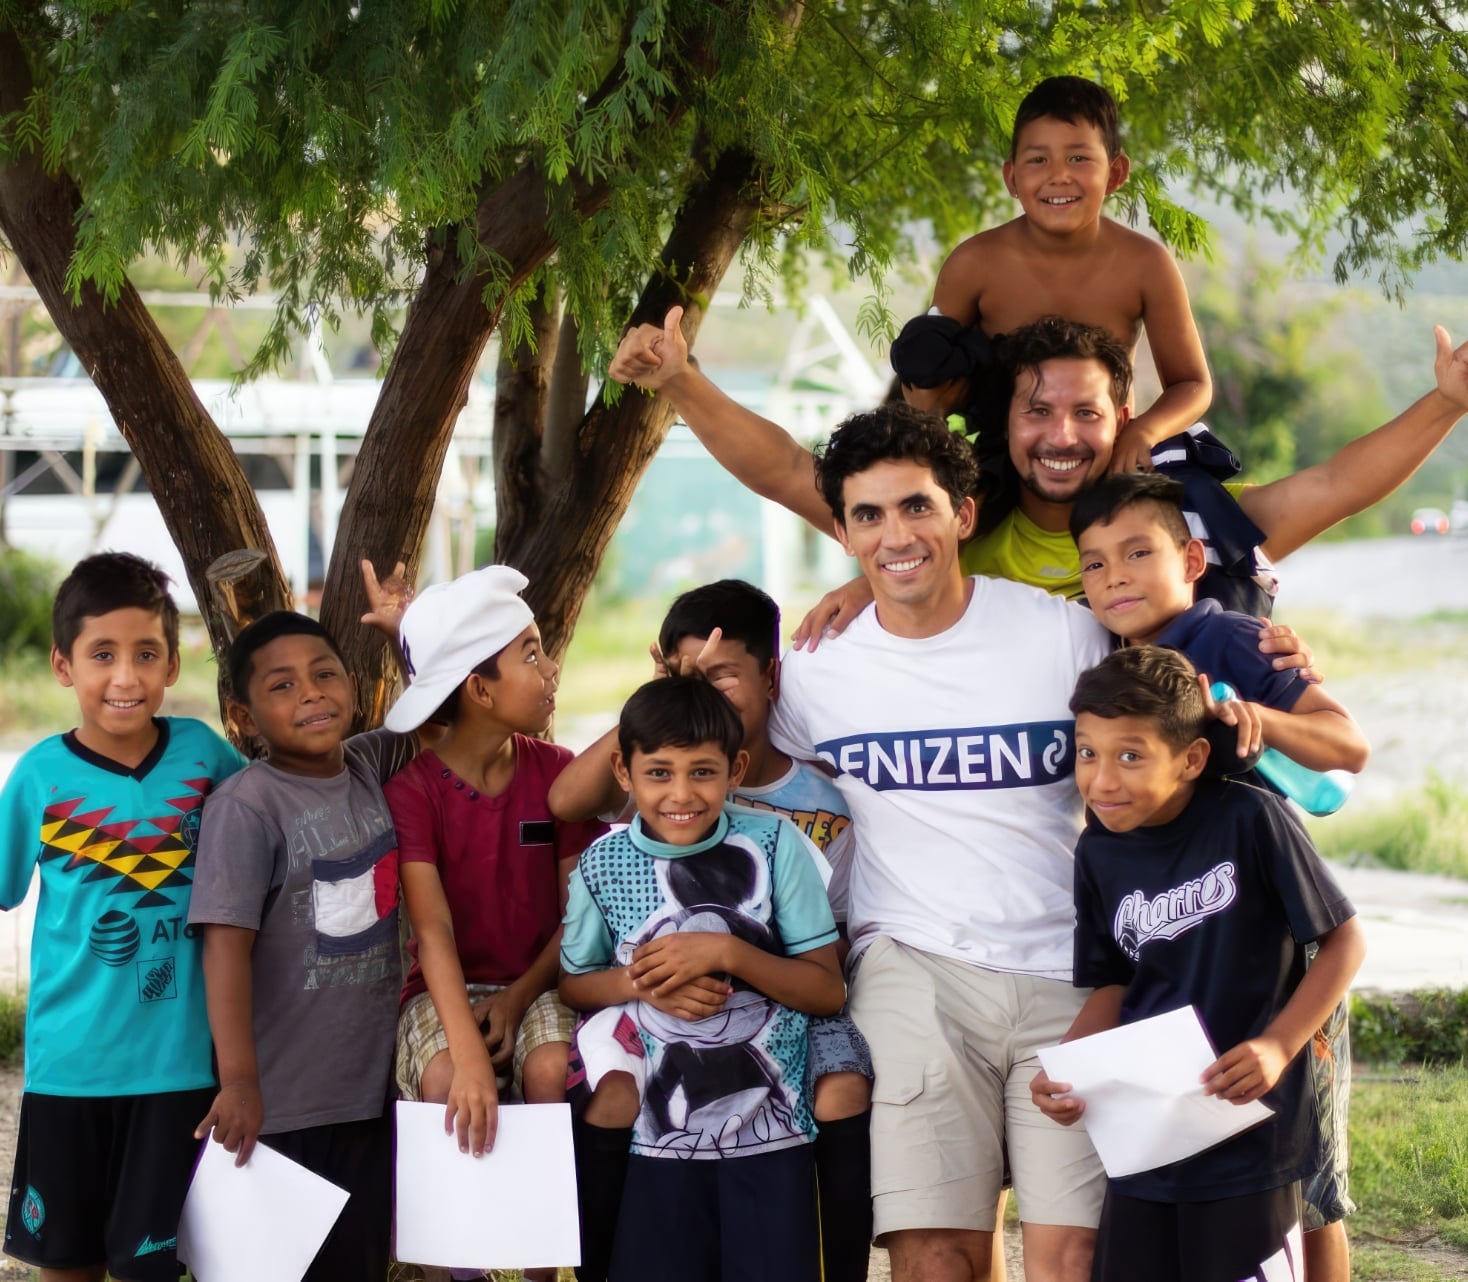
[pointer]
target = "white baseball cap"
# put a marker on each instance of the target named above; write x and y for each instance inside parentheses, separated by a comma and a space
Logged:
(449, 631)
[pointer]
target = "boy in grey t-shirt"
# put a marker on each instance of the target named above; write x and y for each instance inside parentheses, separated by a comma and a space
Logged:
(296, 891)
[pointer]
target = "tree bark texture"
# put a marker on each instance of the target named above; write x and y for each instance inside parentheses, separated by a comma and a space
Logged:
(554, 525)
(396, 475)
(201, 490)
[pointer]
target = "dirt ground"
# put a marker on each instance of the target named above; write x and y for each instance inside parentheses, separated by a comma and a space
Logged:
(11, 1081)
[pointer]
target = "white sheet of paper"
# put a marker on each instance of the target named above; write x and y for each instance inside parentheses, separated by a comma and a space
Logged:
(1145, 1105)
(265, 1219)
(513, 1208)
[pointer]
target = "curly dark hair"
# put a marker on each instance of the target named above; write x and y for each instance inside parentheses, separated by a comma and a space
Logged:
(1053, 338)
(894, 432)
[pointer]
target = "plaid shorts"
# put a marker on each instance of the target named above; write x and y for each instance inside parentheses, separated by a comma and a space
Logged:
(421, 1036)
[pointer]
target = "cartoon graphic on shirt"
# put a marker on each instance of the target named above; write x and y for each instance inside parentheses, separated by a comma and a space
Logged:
(710, 1079)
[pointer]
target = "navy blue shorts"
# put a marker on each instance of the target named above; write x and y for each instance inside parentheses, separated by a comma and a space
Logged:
(102, 1181)
(1252, 1238)
(695, 1220)
(358, 1157)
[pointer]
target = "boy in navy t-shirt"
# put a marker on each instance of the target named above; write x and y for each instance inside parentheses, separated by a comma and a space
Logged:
(1139, 566)
(1201, 892)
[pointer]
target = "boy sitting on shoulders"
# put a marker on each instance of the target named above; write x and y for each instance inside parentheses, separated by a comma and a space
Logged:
(709, 927)
(1149, 941)
(297, 892)
(117, 1053)
(1062, 257)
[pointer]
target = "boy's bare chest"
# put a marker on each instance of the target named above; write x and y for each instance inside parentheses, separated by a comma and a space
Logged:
(1094, 290)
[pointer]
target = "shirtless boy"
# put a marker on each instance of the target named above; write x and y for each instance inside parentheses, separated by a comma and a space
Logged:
(1061, 257)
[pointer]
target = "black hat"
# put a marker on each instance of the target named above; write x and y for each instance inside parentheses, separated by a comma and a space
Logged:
(934, 349)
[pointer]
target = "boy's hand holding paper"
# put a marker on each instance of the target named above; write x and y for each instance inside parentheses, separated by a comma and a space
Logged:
(1143, 1098)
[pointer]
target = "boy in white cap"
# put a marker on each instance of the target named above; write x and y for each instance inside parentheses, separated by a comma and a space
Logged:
(483, 862)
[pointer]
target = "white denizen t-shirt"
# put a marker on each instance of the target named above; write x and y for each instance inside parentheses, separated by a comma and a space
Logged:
(957, 754)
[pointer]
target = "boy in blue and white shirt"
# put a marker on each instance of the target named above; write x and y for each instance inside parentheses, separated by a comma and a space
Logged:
(706, 932)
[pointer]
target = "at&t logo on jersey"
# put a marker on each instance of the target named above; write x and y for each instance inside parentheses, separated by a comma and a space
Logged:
(1175, 911)
(1024, 755)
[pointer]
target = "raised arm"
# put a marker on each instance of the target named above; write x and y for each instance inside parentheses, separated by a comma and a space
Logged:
(1294, 509)
(586, 788)
(1187, 389)
(758, 453)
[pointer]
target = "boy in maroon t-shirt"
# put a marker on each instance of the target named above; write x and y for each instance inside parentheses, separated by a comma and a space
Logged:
(483, 863)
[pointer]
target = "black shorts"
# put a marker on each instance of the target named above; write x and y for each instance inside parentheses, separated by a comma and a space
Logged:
(706, 1220)
(358, 1157)
(102, 1181)
(1253, 1238)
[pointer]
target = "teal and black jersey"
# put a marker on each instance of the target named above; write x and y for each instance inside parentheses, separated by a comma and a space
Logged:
(116, 1004)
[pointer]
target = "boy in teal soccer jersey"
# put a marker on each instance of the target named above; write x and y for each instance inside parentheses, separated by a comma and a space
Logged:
(117, 1064)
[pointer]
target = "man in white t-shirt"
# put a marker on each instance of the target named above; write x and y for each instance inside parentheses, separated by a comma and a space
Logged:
(943, 711)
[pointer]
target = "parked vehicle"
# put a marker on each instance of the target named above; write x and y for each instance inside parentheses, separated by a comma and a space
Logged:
(1430, 520)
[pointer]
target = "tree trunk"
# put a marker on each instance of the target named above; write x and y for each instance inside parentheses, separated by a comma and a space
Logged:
(522, 384)
(396, 476)
(207, 505)
(556, 531)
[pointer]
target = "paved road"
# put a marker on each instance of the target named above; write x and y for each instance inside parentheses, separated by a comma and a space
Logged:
(1400, 578)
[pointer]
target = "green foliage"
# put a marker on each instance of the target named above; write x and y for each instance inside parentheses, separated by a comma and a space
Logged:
(1283, 397)
(330, 152)
(1426, 831)
(1426, 1027)
(27, 586)
(12, 1028)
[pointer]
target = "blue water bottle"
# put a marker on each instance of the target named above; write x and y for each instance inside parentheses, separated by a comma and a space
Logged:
(1315, 791)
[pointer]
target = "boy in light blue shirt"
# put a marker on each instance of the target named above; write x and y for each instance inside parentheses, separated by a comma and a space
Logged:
(704, 935)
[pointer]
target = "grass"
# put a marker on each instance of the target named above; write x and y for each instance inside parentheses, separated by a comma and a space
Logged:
(608, 658)
(12, 1028)
(1409, 1167)
(1427, 1027)
(1344, 649)
(1424, 831)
